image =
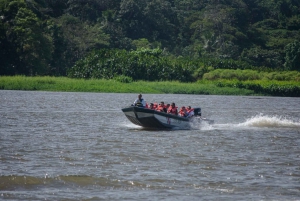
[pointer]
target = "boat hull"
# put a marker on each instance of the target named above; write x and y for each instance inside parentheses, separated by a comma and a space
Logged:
(154, 119)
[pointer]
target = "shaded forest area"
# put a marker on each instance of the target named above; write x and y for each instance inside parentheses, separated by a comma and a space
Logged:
(48, 37)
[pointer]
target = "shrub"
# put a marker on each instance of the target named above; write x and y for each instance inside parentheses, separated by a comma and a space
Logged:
(123, 79)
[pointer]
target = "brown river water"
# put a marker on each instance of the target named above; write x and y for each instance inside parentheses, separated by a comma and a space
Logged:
(80, 146)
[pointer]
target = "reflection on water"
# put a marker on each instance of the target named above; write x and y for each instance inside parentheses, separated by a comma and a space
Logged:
(80, 146)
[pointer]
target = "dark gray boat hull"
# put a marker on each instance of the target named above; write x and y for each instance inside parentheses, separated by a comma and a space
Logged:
(154, 119)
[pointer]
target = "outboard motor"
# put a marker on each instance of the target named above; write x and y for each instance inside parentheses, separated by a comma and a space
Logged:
(197, 111)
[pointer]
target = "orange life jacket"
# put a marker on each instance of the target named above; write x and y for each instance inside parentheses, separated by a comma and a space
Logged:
(189, 111)
(160, 108)
(182, 113)
(172, 110)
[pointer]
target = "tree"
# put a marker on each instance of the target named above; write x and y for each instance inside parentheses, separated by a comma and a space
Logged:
(77, 38)
(292, 56)
(55, 8)
(25, 39)
(34, 48)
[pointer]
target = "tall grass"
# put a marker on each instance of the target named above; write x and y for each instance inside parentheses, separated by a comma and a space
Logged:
(209, 87)
(114, 86)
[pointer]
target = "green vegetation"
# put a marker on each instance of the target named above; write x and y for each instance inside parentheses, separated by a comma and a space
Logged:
(244, 75)
(178, 46)
(43, 37)
(125, 85)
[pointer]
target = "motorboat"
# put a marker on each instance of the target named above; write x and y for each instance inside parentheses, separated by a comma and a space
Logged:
(149, 118)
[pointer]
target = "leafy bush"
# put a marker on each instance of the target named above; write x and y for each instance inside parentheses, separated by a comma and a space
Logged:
(142, 64)
(266, 88)
(243, 75)
(148, 64)
(123, 79)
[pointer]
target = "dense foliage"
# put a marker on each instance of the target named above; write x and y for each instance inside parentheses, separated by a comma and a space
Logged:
(47, 37)
(147, 64)
(144, 64)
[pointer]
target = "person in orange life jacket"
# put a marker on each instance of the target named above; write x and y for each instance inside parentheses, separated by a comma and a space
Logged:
(161, 107)
(139, 102)
(173, 109)
(167, 106)
(151, 106)
(182, 112)
(190, 111)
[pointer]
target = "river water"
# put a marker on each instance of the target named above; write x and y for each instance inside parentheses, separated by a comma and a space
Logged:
(80, 146)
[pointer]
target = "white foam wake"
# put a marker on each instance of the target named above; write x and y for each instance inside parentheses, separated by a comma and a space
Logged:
(203, 125)
(270, 121)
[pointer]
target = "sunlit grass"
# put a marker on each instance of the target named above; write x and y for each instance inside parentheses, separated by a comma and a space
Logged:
(208, 87)
(94, 85)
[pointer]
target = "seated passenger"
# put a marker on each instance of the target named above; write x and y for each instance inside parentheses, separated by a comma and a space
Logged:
(139, 102)
(151, 106)
(154, 106)
(190, 111)
(161, 107)
(182, 112)
(173, 109)
(167, 106)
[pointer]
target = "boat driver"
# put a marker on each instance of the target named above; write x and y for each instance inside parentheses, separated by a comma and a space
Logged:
(140, 102)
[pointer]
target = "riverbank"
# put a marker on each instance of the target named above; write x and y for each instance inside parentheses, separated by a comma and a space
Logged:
(219, 87)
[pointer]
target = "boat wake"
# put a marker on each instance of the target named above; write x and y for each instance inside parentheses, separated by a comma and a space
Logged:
(270, 121)
(262, 121)
(258, 121)
(203, 125)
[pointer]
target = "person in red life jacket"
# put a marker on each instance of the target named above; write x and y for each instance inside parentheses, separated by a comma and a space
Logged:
(190, 111)
(182, 112)
(151, 106)
(161, 107)
(173, 109)
(154, 106)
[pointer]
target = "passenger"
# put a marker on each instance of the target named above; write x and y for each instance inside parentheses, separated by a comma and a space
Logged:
(173, 109)
(161, 107)
(190, 111)
(167, 106)
(182, 112)
(151, 106)
(154, 106)
(139, 102)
